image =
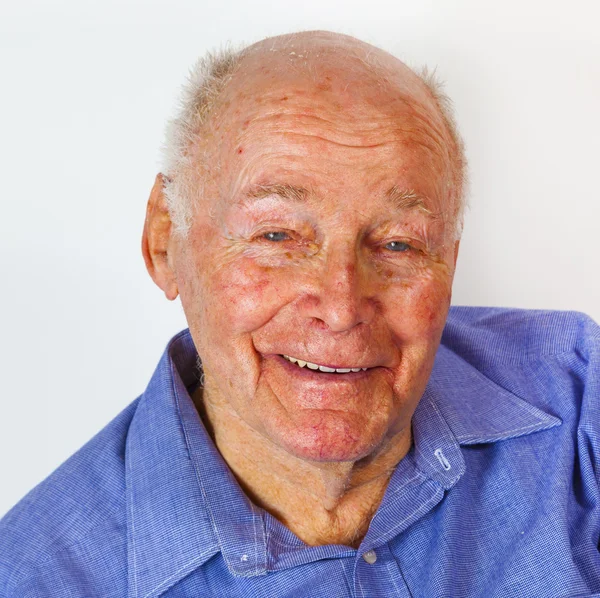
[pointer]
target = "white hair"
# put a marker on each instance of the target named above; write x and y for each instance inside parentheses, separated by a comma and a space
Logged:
(457, 152)
(205, 82)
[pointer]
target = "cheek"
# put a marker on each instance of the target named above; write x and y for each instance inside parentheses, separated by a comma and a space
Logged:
(244, 295)
(419, 308)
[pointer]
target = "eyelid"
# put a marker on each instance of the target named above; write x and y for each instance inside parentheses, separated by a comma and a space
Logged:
(263, 230)
(297, 229)
(408, 245)
(275, 232)
(412, 243)
(416, 250)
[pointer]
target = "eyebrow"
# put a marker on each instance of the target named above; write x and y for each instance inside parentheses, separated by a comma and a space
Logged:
(402, 199)
(285, 191)
(408, 199)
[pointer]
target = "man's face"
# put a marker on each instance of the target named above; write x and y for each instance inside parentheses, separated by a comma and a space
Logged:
(325, 238)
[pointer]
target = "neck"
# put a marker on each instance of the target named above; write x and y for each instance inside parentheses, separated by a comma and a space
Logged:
(321, 502)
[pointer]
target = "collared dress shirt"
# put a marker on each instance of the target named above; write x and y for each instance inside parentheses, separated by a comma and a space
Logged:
(498, 497)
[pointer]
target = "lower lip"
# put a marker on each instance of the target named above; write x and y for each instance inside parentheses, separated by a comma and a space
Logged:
(308, 374)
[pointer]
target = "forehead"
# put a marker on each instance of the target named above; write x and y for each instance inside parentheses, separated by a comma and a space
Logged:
(286, 114)
(336, 76)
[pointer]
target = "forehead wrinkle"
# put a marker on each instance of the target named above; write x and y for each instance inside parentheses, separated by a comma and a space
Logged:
(342, 128)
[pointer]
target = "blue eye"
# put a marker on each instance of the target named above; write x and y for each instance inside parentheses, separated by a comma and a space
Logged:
(276, 236)
(398, 246)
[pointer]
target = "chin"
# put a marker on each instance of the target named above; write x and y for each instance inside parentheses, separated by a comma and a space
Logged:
(329, 438)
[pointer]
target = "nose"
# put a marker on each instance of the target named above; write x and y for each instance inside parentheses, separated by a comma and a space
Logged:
(341, 297)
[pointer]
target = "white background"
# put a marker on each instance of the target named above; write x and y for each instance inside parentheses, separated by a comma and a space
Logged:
(85, 90)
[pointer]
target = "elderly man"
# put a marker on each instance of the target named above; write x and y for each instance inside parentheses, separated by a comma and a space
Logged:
(309, 436)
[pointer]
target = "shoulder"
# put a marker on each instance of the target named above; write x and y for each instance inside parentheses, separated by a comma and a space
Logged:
(502, 335)
(83, 498)
(550, 359)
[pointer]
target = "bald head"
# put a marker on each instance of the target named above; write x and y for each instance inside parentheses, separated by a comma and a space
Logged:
(334, 60)
(342, 57)
(318, 69)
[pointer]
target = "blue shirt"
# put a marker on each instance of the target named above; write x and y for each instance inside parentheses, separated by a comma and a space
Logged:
(498, 497)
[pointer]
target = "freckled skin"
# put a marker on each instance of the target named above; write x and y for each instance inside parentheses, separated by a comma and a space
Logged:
(332, 292)
(339, 306)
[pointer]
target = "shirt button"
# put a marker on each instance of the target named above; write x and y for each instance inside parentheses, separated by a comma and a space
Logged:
(370, 557)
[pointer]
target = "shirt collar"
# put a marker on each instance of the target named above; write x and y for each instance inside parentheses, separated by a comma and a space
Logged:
(169, 532)
(461, 406)
(475, 408)
(177, 482)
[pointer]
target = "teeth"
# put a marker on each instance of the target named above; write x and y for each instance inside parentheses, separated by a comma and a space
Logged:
(321, 368)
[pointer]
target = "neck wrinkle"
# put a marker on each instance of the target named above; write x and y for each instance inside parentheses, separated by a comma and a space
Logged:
(320, 502)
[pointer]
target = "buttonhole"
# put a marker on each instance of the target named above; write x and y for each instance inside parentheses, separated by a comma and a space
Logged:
(442, 459)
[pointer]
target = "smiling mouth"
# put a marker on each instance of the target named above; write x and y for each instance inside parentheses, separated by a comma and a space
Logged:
(322, 368)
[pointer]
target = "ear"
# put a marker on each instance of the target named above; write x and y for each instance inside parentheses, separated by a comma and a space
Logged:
(156, 240)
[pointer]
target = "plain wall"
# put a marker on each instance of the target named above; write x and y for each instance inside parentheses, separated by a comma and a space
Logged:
(86, 89)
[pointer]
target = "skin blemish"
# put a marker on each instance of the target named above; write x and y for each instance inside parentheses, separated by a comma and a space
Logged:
(358, 279)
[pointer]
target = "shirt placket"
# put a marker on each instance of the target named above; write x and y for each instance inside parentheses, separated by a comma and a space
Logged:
(377, 574)
(420, 482)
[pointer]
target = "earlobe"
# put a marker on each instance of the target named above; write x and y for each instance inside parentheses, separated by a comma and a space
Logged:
(156, 240)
